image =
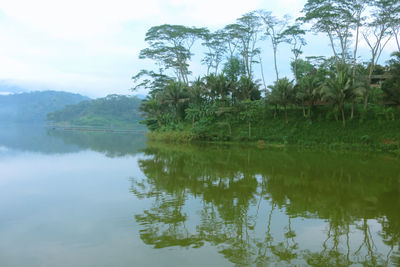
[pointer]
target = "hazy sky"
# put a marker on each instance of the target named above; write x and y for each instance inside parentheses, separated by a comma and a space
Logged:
(91, 46)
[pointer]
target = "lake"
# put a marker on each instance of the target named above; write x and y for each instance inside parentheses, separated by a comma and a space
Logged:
(71, 198)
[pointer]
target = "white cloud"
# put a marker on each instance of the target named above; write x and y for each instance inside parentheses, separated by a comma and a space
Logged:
(92, 46)
(77, 18)
(214, 13)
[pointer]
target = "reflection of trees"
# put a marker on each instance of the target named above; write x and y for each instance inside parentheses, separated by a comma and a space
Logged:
(164, 225)
(38, 138)
(347, 192)
(111, 144)
(33, 138)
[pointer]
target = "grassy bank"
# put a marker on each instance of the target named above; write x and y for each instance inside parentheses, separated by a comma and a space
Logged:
(371, 134)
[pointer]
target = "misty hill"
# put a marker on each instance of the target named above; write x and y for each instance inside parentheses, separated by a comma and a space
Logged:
(117, 111)
(34, 106)
(7, 88)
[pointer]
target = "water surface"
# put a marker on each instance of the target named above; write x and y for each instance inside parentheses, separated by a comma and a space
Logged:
(102, 199)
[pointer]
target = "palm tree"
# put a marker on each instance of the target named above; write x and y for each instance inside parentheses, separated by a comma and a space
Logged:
(151, 109)
(197, 91)
(248, 90)
(337, 91)
(309, 88)
(282, 93)
(175, 95)
(219, 86)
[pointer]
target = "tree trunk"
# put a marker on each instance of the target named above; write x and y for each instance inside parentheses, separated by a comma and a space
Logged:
(334, 51)
(276, 66)
(397, 39)
(262, 74)
(304, 109)
(336, 114)
(309, 111)
(286, 119)
(158, 120)
(366, 99)
(352, 110)
(356, 48)
(295, 69)
(249, 130)
(343, 117)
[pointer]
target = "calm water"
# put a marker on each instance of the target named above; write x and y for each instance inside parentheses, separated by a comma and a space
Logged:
(96, 199)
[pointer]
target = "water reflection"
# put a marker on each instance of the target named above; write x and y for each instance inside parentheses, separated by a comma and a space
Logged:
(260, 207)
(39, 139)
(110, 144)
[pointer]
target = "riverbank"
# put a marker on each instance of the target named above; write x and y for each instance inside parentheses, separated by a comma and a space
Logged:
(372, 135)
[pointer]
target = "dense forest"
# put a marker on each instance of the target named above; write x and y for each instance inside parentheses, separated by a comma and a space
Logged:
(33, 107)
(338, 92)
(111, 111)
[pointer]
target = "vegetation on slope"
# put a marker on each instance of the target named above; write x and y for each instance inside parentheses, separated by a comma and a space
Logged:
(34, 106)
(112, 111)
(333, 99)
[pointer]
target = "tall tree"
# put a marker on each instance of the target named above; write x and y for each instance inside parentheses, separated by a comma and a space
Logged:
(357, 8)
(274, 28)
(294, 35)
(393, 14)
(377, 35)
(391, 87)
(246, 30)
(333, 18)
(216, 46)
(170, 46)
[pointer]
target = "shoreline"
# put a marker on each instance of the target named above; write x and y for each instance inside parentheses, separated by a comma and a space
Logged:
(385, 145)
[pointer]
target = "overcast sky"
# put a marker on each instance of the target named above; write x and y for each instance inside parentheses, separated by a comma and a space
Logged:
(91, 46)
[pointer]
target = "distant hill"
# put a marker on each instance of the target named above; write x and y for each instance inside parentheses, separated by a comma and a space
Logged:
(34, 106)
(115, 111)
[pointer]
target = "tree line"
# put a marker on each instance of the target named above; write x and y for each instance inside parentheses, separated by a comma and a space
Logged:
(229, 88)
(109, 111)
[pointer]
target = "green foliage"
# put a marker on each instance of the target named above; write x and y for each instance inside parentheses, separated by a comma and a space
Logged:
(303, 68)
(218, 87)
(150, 80)
(391, 87)
(228, 104)
(170, 46)
(113, 110)
(282, 92)
(248, 89)
(172, 136)
(234, 69)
